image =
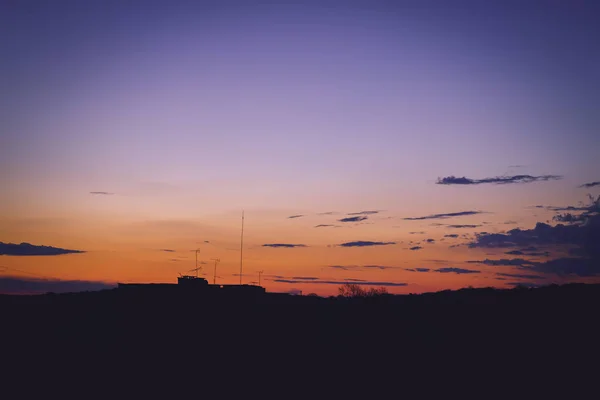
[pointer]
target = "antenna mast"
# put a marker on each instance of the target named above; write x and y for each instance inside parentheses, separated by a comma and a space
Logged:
(259, 274)
(197, 250)
(241, 247)
(216, 260)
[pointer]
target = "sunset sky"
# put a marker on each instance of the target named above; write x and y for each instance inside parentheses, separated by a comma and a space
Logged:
(138, 131)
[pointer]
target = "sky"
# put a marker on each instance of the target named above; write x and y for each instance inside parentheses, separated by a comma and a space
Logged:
(136, 132)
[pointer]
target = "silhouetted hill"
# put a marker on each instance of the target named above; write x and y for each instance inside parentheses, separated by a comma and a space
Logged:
(542, 332)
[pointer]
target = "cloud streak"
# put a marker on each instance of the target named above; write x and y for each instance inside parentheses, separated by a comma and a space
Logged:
(101, 193)
(456, 271)
(444, 215)
(27, 249)
(353, 219)
(590, 184)
(365, 212)
(340, 282)
(296, 216)
(365, 243)
(283, 245)
(497, 180)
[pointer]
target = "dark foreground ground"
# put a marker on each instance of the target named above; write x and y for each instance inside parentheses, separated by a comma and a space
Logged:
(523, 338)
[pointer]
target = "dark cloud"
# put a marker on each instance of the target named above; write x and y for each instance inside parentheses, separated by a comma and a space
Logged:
(444, 216)
(20, 285)
(569, 266)
(352, 219)
(528, 252)
(416, 248)
(452, 235)
(285, 245)
(168, 250)
(102, 193)
(521, 276)
(417, 269)
(340, 282)
(456, 270)
(463, 226)
(591, 184)
(26, 249)
(581, 235)
(324, 225)
(365, 212)
(499, 180)
(365, 243)
(430, 240)
(296, 216)
(305, 278)
(514, 262)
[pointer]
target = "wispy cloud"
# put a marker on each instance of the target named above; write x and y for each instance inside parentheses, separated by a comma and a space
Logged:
(340, 282)
(590, 184)
(444, 216)
(414, 248)
(296, 216)
(498, 180)
(365, 243)
(102, 193)
(418, 269)
(360, 267)
(344, 267)
(352, 219)
(461, 226)
(365, 212)
(382, 267)
(451, 235)
(514, 262)
(521, 276)
(325, 226)
(328, 213)
(168, 250)
(27, 249)
(284, 245)
(456, 270)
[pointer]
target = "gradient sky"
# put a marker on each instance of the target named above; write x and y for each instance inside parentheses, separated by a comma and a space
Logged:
(188, 112)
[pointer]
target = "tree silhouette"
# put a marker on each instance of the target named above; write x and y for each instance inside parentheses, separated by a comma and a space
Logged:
(354, 290)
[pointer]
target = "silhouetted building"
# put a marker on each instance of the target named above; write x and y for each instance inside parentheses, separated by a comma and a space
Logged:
(189, 281)
(195, 284)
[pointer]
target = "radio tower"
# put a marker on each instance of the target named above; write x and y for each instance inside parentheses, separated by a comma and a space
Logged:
(241, 247)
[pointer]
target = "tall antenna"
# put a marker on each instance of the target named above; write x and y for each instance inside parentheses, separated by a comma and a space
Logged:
(197, 269)
(259, 274)
(242, 247)
(216, 260)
